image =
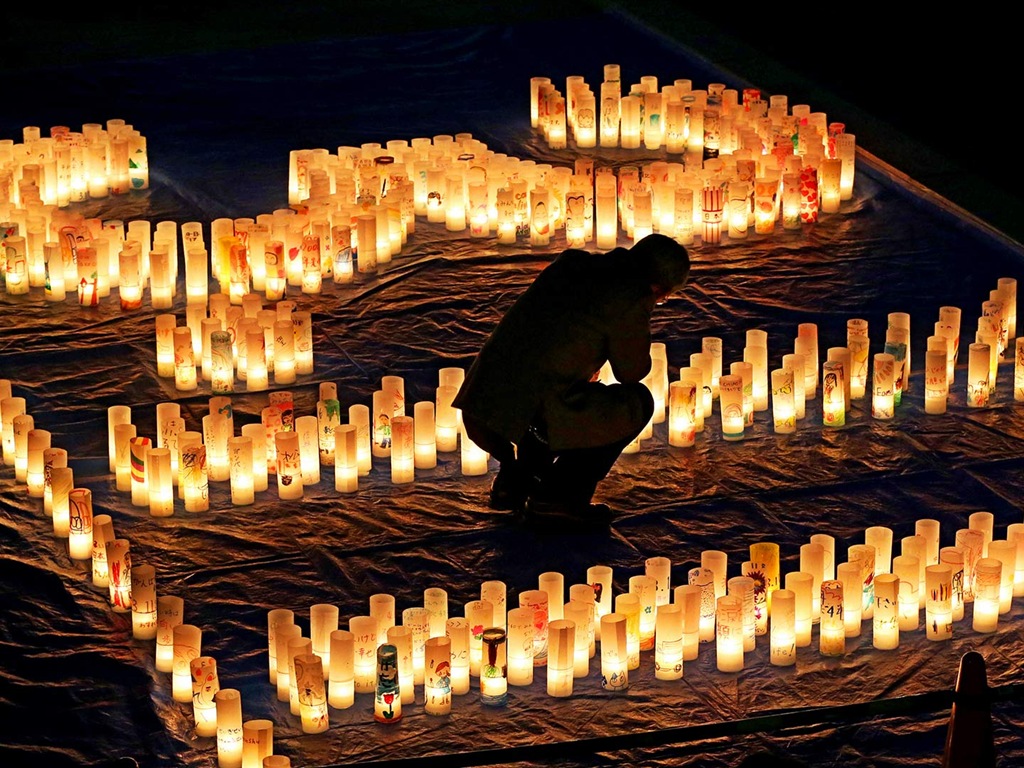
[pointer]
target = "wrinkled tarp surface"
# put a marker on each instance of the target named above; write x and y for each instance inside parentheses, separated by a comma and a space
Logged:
(76, 688)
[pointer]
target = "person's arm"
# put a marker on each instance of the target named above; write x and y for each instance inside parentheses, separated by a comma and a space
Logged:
(629, 345)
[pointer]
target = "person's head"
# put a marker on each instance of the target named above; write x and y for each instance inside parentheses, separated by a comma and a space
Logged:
(664, 262)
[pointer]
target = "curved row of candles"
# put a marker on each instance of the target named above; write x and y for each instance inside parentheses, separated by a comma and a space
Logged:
(748, 162)
(72, 166)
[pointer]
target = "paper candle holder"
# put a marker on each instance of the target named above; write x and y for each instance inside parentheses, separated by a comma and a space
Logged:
(205, 684)
(437, 687)
(143, 602)
(80, 537)
(341, 677)
(229, 728)
(258, 743)
(187, 644)
(493, 668)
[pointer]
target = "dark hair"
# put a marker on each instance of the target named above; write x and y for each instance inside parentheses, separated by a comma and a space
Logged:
(665, 261)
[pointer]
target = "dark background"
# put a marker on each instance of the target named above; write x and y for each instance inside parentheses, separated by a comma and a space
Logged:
(932, 95)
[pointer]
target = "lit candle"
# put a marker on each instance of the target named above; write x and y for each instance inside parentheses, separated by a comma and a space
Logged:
(187, 639)
(257, 743)
(364, 630)
(581, 613)
(885, 629)
(832, 626)
(402, 450)
(731, 404)
(884, 386)
(833, 398)
(783, 628)
(312, 694)
(402, 638)
(474, 458)
(457, 631)
(341, 675)
(614, 655)
(80, 540)
(988, 575)
(193, 478)
(437, 687)
(907, 569)
(938, 602)
(169, 614)
(729, 633)
(205, 685)
(689, 598)
(493, 668)
(229, 728)
(668, 645)
(159, 485)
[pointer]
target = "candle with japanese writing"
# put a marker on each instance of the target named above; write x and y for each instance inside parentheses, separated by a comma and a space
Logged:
(229, 728)
(80, 538)
(119, 565)
(521, 634)
(885, 627)
(364, 630)
(289, 465)
(783, 628)
(832, 626)
(169, 614)
(417, 619)
(53, 458)
(458, 632)
(143, 601)
(493, 668)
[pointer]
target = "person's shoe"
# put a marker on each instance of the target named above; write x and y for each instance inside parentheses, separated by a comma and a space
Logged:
(507, 495)
(560, 515)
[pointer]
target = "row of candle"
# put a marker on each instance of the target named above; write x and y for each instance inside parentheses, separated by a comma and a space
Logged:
(225, 344)
(971, 572)
(682, 119)
(746, 387)
(761, 161)
(72, 166)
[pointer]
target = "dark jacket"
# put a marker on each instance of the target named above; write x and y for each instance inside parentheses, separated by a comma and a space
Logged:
(536, 367)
